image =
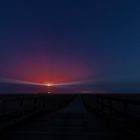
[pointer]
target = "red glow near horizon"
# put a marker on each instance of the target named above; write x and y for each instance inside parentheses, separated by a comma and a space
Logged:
(37, 68)
(42, 77)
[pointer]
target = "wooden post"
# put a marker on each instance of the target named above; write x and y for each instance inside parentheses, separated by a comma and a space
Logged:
(102, 106)
(125, 106)
(44, 103)
(21, 107)
(35, 103)
(110, 108)
(97, 104)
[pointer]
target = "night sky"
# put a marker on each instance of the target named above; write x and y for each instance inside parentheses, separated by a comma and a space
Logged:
(70, 40)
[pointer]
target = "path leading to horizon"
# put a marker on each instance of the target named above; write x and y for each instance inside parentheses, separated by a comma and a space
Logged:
(71, 123)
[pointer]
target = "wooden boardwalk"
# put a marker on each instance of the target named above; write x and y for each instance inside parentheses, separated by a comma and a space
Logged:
(70, 123)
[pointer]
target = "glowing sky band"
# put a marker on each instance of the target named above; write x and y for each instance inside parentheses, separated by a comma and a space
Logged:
(6, 80)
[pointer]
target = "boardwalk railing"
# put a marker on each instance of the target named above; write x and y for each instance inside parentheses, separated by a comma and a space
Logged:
(122, 112)
(16, 108)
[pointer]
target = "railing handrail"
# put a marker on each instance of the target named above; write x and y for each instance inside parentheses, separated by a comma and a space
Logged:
(129, 101)
(125, 114)
(38, 104)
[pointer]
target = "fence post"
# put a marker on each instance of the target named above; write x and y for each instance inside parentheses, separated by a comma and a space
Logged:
(97, 104)
(34, 103)
(125, 106)
(21, 107)
(102, 105)
(110, 108)
(44, 103)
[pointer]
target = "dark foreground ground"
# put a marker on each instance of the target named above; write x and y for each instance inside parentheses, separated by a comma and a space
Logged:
(69, 116)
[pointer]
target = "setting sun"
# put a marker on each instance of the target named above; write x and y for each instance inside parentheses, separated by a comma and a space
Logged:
(49, 84)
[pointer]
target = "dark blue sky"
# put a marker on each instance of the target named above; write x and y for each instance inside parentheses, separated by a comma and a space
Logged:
(76, 40)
